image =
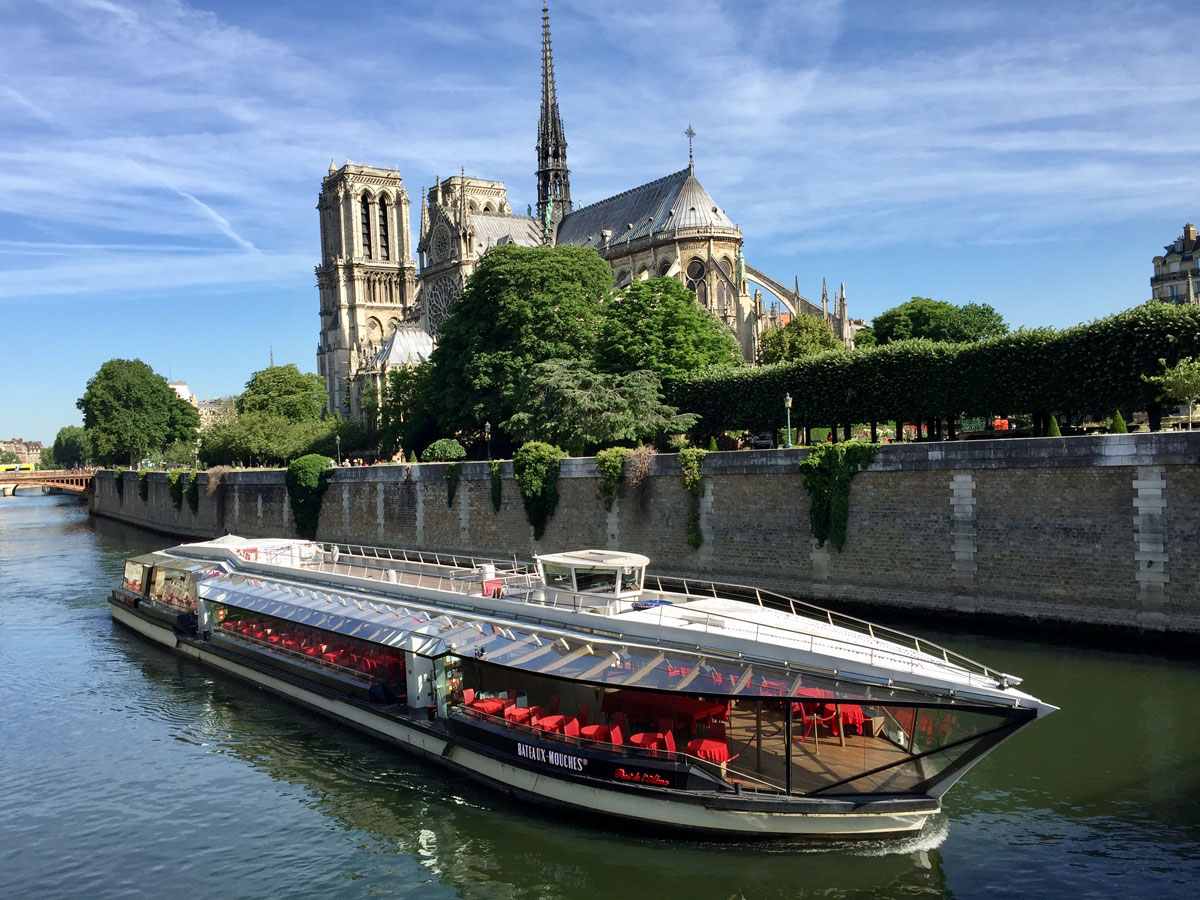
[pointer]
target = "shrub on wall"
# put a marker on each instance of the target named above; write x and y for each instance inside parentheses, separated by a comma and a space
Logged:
(610, 464)
(306, 479)
(143, 485)
(1118, 424)
(690, 459)
(535, 467)
(175, 487)
(444, 450)
(497, 484)
(119, 483)
(193, 492)
(827, 472)
(452, 476)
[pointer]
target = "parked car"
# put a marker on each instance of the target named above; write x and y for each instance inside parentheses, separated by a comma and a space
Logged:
(760, 442)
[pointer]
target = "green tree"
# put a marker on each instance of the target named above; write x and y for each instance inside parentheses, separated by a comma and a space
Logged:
(937, 320)
(864, 338)
(657, 326)
(1180, 382)
(405, 416)
(564, 402)
(803, 336)
(130, 411)
(285, 392)
(8, 458)
(71, 447)
(47, 459)
(522, 305)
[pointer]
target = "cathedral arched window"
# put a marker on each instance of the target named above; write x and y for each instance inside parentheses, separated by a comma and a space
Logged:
(695, 281)
(366, 226)
(383, 228)
(663, 268)
(724, 292)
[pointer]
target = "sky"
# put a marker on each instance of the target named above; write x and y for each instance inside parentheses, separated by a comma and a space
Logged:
(160, 160)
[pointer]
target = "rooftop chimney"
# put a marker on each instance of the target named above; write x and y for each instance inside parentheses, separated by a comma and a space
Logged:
(1189, 232)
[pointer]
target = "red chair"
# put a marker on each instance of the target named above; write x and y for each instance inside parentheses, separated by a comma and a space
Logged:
(571, 727)
(669, 741)
(620, 720)
(615, 737)
(468, 696)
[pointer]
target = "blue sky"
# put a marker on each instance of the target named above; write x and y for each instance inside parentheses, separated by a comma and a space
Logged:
(161, 160)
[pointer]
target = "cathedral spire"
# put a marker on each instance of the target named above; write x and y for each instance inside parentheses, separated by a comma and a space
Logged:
(554, 184)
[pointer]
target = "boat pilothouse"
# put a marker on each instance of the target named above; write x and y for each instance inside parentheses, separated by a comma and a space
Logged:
(580, 681)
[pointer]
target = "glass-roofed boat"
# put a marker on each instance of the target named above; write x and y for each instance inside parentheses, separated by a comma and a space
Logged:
(577, 681)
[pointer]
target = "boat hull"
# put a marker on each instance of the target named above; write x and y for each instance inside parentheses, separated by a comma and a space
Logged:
(696, 814)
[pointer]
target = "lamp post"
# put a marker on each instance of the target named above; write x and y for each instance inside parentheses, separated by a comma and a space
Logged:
(487, 437)
(787, 405)
(337, 439)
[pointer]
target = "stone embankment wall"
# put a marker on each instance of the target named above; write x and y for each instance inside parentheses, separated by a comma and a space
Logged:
(1093, 530)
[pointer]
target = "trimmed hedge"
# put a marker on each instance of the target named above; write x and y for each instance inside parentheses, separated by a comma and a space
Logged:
(1092, 367)
(444, 450)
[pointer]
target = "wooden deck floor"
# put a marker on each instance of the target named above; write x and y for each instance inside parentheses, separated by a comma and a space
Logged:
(820, 760)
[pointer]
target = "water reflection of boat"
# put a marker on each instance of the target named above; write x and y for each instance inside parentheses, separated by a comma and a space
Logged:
(573, 683)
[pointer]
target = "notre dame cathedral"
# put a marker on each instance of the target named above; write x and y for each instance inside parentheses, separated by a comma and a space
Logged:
(379, 310)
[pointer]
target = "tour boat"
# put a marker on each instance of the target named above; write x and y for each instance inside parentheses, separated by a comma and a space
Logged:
(576, 681)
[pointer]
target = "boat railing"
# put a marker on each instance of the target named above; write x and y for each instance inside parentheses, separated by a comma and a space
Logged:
(381, 557)
(802, 609)
(539, 734)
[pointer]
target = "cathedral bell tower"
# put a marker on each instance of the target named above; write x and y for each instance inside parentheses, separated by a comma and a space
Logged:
(554, 179)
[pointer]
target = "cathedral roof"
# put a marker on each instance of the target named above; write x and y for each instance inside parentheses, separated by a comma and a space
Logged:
(407, 346)
(675, 201)
(492, 229)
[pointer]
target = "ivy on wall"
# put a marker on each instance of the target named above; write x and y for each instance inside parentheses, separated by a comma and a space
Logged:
(175, 487)
(453, 476)
(193, 492)
(119, 483)
(143, 485)
(306, 480)
(497, 484)
(610, 464)
(535, 467)
(690, 459)
(827, 471)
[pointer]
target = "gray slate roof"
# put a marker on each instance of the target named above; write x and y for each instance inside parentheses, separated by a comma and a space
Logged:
(407, 346)
(675, 201)
(492, 229)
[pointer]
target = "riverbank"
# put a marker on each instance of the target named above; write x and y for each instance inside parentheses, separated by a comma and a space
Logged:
(1099, 532)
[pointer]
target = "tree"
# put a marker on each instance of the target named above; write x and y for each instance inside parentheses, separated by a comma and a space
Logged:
(521, 306)
(129, 411)
(937, 320)
(283, 391)
(8, 458)
(71, 446)
(1180, 382)
(657, 326)
(803, 336)
(264, 439)
(565, 402)
(864, 338)
(47, 460)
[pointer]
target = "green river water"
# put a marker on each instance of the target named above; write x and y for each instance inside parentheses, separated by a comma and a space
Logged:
(128, 772)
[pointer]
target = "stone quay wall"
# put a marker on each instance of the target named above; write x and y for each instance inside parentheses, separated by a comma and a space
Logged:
(1099, 531)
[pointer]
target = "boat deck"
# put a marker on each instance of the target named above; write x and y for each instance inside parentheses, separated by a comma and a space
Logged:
(821, 759)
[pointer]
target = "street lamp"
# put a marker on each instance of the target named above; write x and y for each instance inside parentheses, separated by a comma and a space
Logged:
(337, 439)
(487, 437)
(787, 405)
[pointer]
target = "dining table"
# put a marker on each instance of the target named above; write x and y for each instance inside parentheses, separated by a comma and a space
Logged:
(556, 724)
(687, 712)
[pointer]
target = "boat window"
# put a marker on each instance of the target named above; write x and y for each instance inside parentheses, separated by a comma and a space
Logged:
(179, 589)
(559, 577)
(631, 579)
(596, 581)
(134, 573)
(157, 577)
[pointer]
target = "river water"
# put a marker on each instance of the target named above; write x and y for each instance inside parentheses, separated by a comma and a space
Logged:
(127, 772)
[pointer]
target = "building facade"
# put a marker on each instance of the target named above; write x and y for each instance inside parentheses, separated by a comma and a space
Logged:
(1176, 276)
(670, 227)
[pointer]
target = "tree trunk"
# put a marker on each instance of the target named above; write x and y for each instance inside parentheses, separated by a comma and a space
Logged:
(874, 432)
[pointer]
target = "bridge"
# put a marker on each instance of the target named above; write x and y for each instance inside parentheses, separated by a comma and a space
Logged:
(79, 483)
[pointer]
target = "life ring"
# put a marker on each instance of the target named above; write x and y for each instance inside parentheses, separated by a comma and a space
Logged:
(250, 554)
